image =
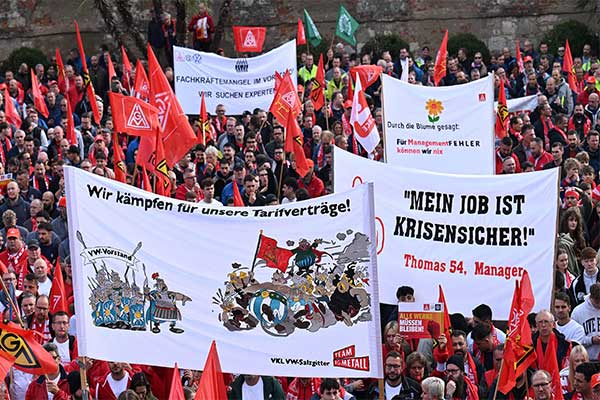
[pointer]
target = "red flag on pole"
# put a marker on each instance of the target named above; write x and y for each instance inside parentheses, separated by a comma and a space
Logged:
(146, 180)
(177, 134)
(249, 39)
(501, 113)
(126, 70)
(520, 58)
(141, 85)
(365, 128)
(568, 68)
(447, 322)
(204, 123)
(86, 77)
(300, 34)
(63, 81)
(111, 69)
(58, 298)
(293, 144)
(70, 134)
(368, 74)
(29, 355)
(274, 256)
(120, 168)
(317, 93)
(440, 61)
(211, 385)
(519, 353)
(161, 170)
(133, 116)
(38, 98)
(12, 115)
(237, 196)
(286, 100)
(176, 392)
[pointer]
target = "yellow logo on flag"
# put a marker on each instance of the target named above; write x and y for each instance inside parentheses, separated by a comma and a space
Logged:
(18, 348)
(434, 109)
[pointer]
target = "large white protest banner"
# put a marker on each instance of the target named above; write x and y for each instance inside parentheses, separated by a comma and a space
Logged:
(520, 105)
(443, 129)
(473, 234)
(240, 83)
(288, 290)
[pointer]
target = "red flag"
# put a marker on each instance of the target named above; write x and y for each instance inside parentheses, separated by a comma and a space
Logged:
(519, 353)
(237, 196)
(6, 363)
(161, 170)
(58, 298)
(568, 68)
(119, 164)
(63, 81)
(211, 385)
(550, 364)
(520, 58)
(146, 181)
(440, 61)
(249, 39)
(12, 115)
(70, 134)
(293, 143)
(365, 128)
(368, 74)
(300, 34)
(204, 122)
(286, 100)
(501, 113)
(133, 116)
(275, 257)
(29, 355)
(447, 322)
(278, 79)
(177, 134)
(111, 69)
(86, 78)
(317, 93)
(126, 70)
(141, 85)
(38, 98)
(176, 392)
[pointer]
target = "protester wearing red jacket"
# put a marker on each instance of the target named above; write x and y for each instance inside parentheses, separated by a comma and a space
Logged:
(56, 384)
(202, 26)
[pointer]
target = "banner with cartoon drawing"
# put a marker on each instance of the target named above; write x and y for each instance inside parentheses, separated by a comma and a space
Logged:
(473, 234)
(446, 129)
(284, 290)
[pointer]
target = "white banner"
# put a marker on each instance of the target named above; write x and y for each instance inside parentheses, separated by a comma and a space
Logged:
(241, 84)
(473, 234)
(519, 105)
(446, 129)
(156, 273)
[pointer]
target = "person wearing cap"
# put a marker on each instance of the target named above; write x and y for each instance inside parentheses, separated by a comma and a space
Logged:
(587, 314)
(239, 173)
(395, 383)
(590, 87)
(472, 367)
(457, 385)
(59, 224)
(311, 182)
(97, 146)
(595, 384)
(15, 255)
(582, 284)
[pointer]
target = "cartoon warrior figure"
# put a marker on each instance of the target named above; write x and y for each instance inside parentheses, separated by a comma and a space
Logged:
(163, 305)
(307, 255)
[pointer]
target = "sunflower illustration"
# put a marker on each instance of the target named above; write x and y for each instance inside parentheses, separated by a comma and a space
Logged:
(434, 109)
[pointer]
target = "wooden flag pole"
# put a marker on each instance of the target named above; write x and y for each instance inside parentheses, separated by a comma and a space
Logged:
(12, 304)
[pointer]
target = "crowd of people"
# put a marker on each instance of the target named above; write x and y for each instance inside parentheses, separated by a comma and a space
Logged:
(248, 151)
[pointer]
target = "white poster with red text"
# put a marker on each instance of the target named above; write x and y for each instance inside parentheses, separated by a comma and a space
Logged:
(472, 234)
(446, 129)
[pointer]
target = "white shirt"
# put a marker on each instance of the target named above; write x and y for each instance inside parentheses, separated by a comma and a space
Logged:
(55, 380)
(285, 200)
(44, 287)
(118, 387)
(253, 392)
(213, 202)
(19, 385)
(63, 351)
(572, 331)
(391, 391)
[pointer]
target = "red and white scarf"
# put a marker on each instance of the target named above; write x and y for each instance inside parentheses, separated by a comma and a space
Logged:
(36, 183)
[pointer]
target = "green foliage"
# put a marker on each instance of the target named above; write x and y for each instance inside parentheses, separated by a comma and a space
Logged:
(26, 55)
(578, 34)
(469, 42)
(382, 42)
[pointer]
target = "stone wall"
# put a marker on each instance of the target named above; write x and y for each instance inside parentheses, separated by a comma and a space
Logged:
(47, 24)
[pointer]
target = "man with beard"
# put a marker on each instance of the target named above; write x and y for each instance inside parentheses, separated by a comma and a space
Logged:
(579, 122)
(574, 145)
(395, 383)
(114, 383)
(472, 367)
(458, 387)
(15, 202)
